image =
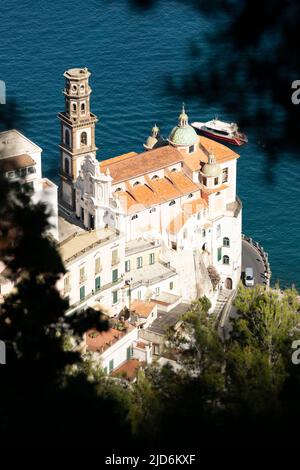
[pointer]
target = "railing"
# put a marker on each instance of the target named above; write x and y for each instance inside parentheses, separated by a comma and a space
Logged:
(264, 255)
(93, 294)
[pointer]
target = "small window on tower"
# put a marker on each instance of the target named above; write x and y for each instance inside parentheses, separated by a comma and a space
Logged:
(83, 138)
(74, 107)
(82, 108)
(67, 166)
(67, 138)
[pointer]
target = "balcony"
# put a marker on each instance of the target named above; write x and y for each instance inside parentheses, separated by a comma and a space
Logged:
(92, 294)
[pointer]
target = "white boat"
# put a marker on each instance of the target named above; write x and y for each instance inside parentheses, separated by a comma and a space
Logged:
(227, 132)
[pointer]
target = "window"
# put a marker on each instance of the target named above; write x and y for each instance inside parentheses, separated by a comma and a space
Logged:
(129, 353)
(97, 283)
(172, 203)
(127, 266)
(171, 285)
(157, 290)
(74, 107)
(67, 166)
(219, 254)
(31, 170)
(190, 195)
(118, 189)
(67, 138)
(225, 175)
(156, 349)
(115, 275)
(218, 232)
(139, 262)
(216, 181)
(199, 215)
(111, 366)
(67, 284)
(82, 293)
(136, 183)
(185, 233)
(82, 274)
(225, 259)
(97, 265)
(153, 209)
(204, 180)
(173, 169)
(155, 177)
(11, 174)
(83, 138)
(151, 258)
(105, 370)
(135, 216)
(139, 295)
(115, 257)
(203, 233)
(218, 193)
(226, 241)
(115, 296)
(82, 108)
(191, 148)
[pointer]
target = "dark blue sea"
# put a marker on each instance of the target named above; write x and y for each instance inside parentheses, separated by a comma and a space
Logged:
(130, 55)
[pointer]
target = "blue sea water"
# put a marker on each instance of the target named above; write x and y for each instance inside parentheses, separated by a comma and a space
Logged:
(130, 55)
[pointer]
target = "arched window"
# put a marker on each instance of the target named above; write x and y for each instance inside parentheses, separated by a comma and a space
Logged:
(136, 183)
(67, 138)
(174, 169)
(190, 195)
(226, 241)
(118, 189)
(82, 108)
(83, 138)
(225, 259)
(155, 177)
(67, 166)
(172, 203)
(74, 107)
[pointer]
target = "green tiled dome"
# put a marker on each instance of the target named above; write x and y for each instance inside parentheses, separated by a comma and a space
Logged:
(183, 136)
(212, 169)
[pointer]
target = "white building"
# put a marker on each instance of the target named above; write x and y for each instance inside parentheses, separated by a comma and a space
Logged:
(20, 159)
(94, 262)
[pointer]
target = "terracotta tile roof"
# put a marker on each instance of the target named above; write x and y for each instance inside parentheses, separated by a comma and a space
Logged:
(177, 223)
(129, 369)
(165, 189)
(221, 152)
(142, 308)
(145, 195)
(100, 342)
(194, 206)
(182, 182)
(131, 165)
(128, 203)
(15, 163)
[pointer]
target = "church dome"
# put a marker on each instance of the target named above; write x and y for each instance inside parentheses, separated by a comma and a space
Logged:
(183, 133)
(183, 136)
(154, 139)
(211, 168)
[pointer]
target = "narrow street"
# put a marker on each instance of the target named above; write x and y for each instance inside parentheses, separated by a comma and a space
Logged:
(250, 258)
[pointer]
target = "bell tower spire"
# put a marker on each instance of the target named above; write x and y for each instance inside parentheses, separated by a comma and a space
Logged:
(77, 132)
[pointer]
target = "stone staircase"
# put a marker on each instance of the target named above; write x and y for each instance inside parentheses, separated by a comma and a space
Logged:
(221, 302)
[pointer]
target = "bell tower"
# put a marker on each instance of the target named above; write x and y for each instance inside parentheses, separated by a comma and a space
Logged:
(77, 132)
